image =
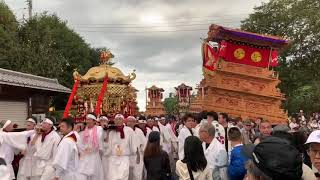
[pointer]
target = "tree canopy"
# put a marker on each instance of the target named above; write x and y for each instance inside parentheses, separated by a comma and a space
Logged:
(298, 21)
(44, 46)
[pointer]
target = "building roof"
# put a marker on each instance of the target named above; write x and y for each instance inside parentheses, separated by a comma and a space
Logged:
(183, 86)
(14, 78)
(219, 33)
(155, 88)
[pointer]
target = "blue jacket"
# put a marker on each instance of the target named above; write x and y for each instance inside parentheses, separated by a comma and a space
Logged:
(236, 168)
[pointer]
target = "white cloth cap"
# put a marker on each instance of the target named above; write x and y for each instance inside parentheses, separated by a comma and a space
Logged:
(314, 137)
(91, 116)
(162, 118)
(156, 119)
(103, 118)
(119, 116)
(8, 122)
(47, 120)
(131, 118)
(31, 120)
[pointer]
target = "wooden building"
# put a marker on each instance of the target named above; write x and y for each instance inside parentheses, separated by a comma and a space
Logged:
(23, 95)
(154, 102)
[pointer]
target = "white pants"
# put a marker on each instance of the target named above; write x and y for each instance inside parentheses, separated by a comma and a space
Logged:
(136, 170)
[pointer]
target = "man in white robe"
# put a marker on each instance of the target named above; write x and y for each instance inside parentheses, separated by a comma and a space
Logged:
(136, 159)
(45, 143)
(66, 159)
(165, 135)
(185, 132)
(149, 126)
(27, 164)
(90, 164)
(121, 143)
(105, 150)
(214, 151)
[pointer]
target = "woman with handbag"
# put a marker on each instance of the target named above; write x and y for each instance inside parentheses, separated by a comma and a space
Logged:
(194, 165)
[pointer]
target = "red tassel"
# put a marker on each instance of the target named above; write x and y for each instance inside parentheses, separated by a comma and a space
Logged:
(73, 93)
(101, 95)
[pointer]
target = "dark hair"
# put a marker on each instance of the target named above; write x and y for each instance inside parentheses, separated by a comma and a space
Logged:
(193, 154)
(186, 116)
(234, 134)
(213, 114)
(225, 116)
(203, 114)
(197, 117)
(285, 136)
(264, 121)
(153, 147)
(69, 122)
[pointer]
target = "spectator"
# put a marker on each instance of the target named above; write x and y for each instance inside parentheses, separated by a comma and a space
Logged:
(294, 126)
(273, 159)
(265, 130)
(248, 132)
(313, 143)
(186, 131)
(212, 118)
(156, 160)
(214, 151)
(194, 165)
(236, 168)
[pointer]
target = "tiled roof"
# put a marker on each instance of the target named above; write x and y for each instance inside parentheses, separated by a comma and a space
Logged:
(15, 78)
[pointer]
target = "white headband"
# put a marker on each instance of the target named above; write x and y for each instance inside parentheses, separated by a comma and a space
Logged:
(31, 120)
(8, 122)
(103, 118)
(49, 121)
(91, 116)
(119, 116)
(142, 121)
(132, 118)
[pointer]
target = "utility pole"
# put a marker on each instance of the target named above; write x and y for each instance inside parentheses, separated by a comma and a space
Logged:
(29, 2)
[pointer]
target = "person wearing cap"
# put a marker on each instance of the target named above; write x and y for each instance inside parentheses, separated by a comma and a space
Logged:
(214, 151)
(286, 161)
(45, 143)
(121, 144)
(247, 132)
(136, 163)
(27, 162)
(313, 144)
(156, 160)
(149, 126)
(185, 132)
(156, 125)
(90, 164)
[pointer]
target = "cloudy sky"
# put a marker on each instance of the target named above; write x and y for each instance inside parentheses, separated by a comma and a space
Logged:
(158, 38)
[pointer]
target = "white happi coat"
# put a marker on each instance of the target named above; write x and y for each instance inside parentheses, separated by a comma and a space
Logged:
(66, 159)
(166, 138)
(140, 142)
(184, 133)
(9, 143)
(173, 138)
(217, 158)
(90, 164)
(27, 164)
(44, 154)
(120, 152)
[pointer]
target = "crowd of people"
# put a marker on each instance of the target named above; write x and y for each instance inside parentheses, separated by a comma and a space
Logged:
(203, 146)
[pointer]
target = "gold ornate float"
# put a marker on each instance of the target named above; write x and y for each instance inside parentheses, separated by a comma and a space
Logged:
(119, 97)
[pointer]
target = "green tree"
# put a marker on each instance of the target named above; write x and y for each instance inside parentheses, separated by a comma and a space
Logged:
(298, 21)
(8, 41)
(171, 105)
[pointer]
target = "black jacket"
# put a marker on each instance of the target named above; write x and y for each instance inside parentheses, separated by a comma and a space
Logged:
(158, 167)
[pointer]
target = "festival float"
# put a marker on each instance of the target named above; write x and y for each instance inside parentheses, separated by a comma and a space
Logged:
(238, 76)
(183, 93)
(154, 103)
(104, 89)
